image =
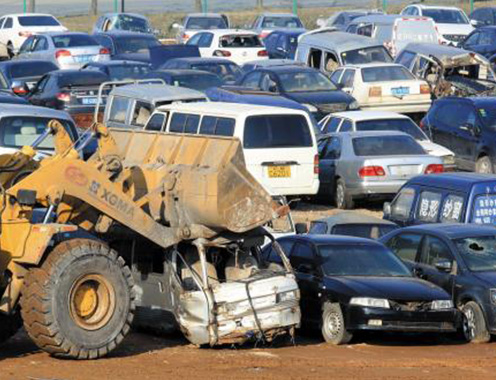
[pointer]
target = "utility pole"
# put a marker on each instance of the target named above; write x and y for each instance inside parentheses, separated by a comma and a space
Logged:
(198, 5)
(123, 8)
(295, 6)
(94, 7)
(31, 6)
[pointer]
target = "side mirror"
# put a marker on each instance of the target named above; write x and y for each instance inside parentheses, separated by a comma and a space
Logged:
(19, 88)
(305, 268)
(386, 209)
(475, 23)
(301, 228)
(443, 265)
(468, 128)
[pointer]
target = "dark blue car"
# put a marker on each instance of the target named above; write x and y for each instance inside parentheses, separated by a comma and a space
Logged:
(282, 44)
(130, 46)
(483, 16)
(120, 70)
(194, 79)
(483, 41)
(467, 127)
(445, 198)
(351, 284)
(224, 68)
(459, 258)
(304, 85)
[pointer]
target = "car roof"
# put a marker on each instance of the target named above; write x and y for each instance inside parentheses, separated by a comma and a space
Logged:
(381, 19)
(354, 217)
(288, 69)
(227, 32)
(137, 15)
(369, 115)
(272, 14)
(438, 51)
(371, 134)
(118, 62)
(274, 62)
(201, 60)
(216, 15)
(156, 92)
(54, 34)
(341, 41)
(478, 100)
(230, 109)
(453, 180)
(182, 72)
(435, 7)
(289, 32)
(30, 110)
(331, 239)
(371, 64)
(28, 15)
(455, 230)
(117, 33)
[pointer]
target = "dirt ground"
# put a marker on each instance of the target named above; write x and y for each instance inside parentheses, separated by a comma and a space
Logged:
(377, 356)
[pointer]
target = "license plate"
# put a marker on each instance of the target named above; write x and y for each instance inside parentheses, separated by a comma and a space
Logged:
(279, 171)
(400, 91)
(89, 101)
(403, 170)
(83, 58)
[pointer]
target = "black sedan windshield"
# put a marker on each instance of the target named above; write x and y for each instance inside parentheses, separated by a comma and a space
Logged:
(305, 81)
(361, 260)
(479, 253)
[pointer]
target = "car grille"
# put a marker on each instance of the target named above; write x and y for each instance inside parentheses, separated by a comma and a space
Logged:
(332, 107)
(410, 306)
(454, 37)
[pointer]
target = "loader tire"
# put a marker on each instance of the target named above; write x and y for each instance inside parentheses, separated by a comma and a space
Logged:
(80, 303)
(9, 325)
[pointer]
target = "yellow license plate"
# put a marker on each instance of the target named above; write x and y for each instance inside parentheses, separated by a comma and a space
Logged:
(279, 171)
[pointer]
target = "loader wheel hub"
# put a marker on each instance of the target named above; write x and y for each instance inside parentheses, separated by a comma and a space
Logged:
(92, 302)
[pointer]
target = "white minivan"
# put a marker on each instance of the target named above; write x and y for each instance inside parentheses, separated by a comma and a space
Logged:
(279, 144)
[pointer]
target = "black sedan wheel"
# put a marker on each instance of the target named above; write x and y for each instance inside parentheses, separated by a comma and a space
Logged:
(333, 325)
(474, 324)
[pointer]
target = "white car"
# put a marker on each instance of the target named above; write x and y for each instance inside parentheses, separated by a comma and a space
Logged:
(239, 46)
(196, 22)
(385, 121)
(384, 87)
(452, 23)
(16, 28)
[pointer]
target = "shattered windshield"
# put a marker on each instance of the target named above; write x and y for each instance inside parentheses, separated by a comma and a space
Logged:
(478, 253)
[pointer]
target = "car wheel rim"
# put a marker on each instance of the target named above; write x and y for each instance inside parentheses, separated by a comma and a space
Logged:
(484, 167)
(332, 325)
(340, 196)
(469, 324)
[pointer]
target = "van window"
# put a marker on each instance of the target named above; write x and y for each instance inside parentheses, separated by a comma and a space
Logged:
(141, 114)
(331, 62)
(365, 30)
(428, 206)
(452, 209)
(184, 123)
(219, 126)
(276, 131)
(402, 205)
(484, 209)
(118, 109)
(314, 58)
(156, 122)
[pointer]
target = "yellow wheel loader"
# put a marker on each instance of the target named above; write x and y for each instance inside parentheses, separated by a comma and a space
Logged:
(154, 230)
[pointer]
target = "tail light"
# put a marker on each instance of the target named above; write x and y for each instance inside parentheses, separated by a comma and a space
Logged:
(375, 91)
(185, 37)
(434, 168)
(422, 125)
(316, 169)
(62, 53)
(63, 96)
(104, 51)
(371, 171)
(222, 53)
(263, 35)
(25, 34)
(262, 53)
(425, 89)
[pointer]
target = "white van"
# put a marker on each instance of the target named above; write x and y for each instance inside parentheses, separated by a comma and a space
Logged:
(395, 31)
(279, 144)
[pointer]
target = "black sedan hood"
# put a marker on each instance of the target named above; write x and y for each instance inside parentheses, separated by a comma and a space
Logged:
(393, 288)
(320, 97)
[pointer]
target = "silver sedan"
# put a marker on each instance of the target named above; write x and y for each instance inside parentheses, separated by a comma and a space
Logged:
(66, 50)
(357, 165)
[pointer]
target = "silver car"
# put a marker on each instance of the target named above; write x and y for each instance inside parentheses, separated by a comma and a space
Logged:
(361, 165)
(66, 50)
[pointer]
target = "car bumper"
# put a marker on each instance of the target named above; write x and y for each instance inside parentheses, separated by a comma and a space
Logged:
(400, 107)
(367, 318)
(311, 189)
(365, 189)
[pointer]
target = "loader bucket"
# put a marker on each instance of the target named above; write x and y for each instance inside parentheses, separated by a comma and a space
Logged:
(214, 187)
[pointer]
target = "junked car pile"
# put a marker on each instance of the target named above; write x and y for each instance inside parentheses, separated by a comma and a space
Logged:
(175, 212)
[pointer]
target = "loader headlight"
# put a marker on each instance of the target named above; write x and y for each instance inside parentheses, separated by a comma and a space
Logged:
(370, 302)
(441, 304)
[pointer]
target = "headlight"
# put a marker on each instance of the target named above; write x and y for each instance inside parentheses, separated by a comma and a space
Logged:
(370, 302)
(441, 304)
(449, 160)
(492, 296)
(286, 296)
(354, 105)
(310, 107)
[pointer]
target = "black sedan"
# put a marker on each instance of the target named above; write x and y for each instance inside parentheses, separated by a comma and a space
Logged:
(73, 91)
(131, 46)
(461, 258)
(21, 76)
(349, 284)
(194, 79)
(223, 67)
(120, 70)
(304, 85)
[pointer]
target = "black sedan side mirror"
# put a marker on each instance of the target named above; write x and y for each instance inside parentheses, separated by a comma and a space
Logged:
(301, 228)
(443, 265)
